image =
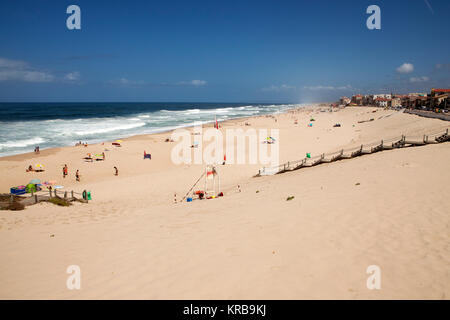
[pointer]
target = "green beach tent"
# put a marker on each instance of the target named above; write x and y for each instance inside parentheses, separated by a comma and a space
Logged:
(30, 188)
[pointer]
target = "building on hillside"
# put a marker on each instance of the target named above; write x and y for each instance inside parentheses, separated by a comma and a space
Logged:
(382, 95)
(419, 102)
(357, 100)
(396, 102)
(417, 94)
(367, 100)
(382, 102)
(440, 99)
(345, 101)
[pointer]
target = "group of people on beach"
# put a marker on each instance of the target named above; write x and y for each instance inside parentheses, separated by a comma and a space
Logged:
(78, 175)
(79, 143)
(66, 173)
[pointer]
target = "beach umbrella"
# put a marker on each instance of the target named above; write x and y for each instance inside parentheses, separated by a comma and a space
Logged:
(35, 181)
(119, 141)
(38, 165)
(58, 187)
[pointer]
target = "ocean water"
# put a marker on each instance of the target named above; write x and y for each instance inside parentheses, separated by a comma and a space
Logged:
(23, 126)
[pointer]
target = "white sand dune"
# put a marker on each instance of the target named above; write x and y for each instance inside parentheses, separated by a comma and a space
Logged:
(131, 241)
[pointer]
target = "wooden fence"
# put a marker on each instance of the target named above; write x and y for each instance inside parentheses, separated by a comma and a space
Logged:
(399, 142)
(40, 196)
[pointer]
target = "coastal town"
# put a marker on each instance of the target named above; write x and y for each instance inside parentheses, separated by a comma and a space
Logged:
(438, 100)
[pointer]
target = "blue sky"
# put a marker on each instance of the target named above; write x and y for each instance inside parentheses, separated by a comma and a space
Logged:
(220, 51)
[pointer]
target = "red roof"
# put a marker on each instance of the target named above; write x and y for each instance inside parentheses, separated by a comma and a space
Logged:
(441, 90)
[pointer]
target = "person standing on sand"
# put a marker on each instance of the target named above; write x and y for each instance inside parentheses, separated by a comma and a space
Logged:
(65, 171)
(77, 175)
(116, 171)
(103, 155)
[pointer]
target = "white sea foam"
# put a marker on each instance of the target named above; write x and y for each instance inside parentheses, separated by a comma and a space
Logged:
(21, 143)
(97, 130)
(22, 136)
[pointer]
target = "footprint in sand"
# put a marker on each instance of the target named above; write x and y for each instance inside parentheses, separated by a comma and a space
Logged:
(407, 165)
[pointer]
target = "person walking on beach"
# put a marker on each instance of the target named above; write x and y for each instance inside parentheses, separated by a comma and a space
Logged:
(65, 171)
(77, 175)
(116, 171)
(103, 155)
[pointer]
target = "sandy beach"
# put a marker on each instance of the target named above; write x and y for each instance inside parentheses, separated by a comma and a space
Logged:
(132, 241)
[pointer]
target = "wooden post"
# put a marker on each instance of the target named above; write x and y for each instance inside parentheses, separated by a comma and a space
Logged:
(56, 195)
(65, 194)
(72, 194)
(32, 193)
(35, 198)
(50, 191)
(11, 199)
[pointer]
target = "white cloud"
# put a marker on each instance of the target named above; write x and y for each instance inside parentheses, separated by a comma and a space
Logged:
(198, 83)
(128, 82)
(347, 87)
(419, 79)
(405, 68)
(124, 81)
(7, 63)
(283, 87)
(27, 76)
(16, 70)
(195, 83)
(72, 76)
